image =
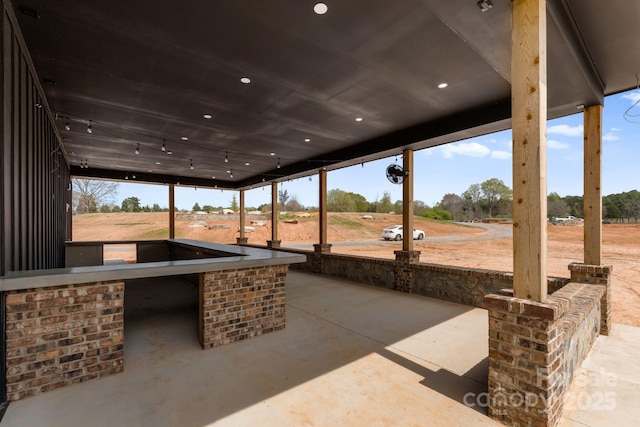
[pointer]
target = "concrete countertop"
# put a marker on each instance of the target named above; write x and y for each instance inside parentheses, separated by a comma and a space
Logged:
(239, 257)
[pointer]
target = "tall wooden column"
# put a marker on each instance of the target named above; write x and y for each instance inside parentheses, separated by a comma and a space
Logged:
(274, 242)
(242, 240)
(593, 185)
(172, 212)
(407, 201)
(322, 201)
(529, 104)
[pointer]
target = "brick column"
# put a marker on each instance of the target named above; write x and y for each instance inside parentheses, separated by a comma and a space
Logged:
(535, 348)
(239, 304)
(242, 241)
(596, 275)
(318, 259)
(273, 244)
(61, 335)
(404, 270)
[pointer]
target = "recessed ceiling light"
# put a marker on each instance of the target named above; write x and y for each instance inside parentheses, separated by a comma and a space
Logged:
(247, 164)
(245, 80)
(208, 116)
(580, 106)
(158, 163)
(150, 170)
(320, 8)
(213, 177)
(359, 119)
(272, 154)
(307, 140)
(184, 138)
(169, 152)
(443, 85)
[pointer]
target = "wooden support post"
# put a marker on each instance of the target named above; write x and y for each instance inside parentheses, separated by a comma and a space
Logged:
(593, 185)
(529, 116)
(322, 219)
(172, 212)
(242, 239)
(407, 201)
(274, 211)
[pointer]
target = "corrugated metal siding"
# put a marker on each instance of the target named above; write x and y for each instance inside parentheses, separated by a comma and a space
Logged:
(35, 175)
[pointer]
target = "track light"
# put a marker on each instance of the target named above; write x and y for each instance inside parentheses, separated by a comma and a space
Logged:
(231, 174)
(278, 166)
(191, 165)
(226, 157)
(133, 177)
(263, 180)
(164, 147)
(67, 127)
(138, 149)
(89, 130)
(126, 176)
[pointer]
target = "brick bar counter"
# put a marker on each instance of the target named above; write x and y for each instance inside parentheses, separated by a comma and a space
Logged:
(66, 325)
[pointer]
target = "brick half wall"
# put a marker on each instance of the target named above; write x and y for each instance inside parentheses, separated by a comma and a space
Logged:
(61, 335)
(239, 304)
(535, 349)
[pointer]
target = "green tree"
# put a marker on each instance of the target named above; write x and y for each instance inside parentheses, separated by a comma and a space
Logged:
(398, 207)
(360, 202)
(131, 204)
(156, 208)
(419, 207)
(105, 209)
(234, 203)
(454, 204)
(556, 206)
(340, 201)
(196, 207)
(473, 200)
(495, 194)
(385, 205)
(438, 212)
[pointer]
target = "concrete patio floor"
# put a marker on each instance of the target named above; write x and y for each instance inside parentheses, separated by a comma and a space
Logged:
(351, 355)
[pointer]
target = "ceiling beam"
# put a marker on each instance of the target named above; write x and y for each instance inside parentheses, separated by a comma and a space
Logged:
(560, 13)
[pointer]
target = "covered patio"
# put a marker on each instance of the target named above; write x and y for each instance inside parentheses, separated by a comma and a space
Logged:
(238, 95)
(351, 355)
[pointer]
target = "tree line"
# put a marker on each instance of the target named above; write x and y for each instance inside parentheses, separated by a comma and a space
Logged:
(491, 198)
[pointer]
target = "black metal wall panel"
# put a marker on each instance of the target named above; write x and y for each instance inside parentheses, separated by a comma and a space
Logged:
(35, 175)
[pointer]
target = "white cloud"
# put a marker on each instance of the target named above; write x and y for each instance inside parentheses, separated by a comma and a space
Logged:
(471, 149)
(556, 145)
(566, 130)
(500, 155)
(611, 135)
(633, 96)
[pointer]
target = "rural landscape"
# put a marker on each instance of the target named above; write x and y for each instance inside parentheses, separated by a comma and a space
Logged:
(476, 245)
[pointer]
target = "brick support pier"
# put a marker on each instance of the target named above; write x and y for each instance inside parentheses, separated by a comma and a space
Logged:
(239, 304)
(596, 275)
(318, 260)
(535, 349)
(273, 244)
(242, 241)
(61, 335)
(404, 271)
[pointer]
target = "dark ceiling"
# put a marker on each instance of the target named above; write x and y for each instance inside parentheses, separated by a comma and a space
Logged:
(144, 74)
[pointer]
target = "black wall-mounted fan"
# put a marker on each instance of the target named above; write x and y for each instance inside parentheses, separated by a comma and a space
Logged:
(395, 174)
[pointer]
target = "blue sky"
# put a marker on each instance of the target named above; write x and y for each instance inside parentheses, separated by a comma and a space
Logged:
(452, 168)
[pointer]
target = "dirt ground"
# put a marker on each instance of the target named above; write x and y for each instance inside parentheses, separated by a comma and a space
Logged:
(351, 234)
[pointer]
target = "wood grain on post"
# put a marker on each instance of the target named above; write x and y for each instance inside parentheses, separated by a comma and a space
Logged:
(407, 201)
(593, 185)
(529, 111)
